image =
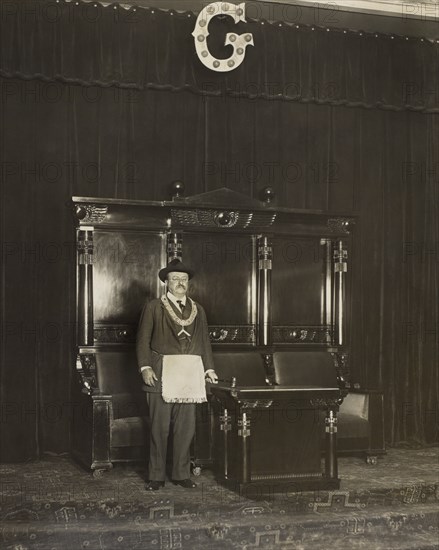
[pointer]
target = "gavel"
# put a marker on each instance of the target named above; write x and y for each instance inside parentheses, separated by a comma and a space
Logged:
(231, 381)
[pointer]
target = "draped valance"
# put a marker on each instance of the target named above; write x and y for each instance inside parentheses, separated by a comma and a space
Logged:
(91, 44)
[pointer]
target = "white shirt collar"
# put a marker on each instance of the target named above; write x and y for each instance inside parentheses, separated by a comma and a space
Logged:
(174, 299)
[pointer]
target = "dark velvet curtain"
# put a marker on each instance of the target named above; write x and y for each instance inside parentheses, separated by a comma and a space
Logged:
(58, 139)
(87, 43)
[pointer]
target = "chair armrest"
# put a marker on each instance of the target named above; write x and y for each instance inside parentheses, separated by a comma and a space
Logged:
(103, 406)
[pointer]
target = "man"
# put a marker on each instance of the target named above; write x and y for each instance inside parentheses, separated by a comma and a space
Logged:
(175, 358)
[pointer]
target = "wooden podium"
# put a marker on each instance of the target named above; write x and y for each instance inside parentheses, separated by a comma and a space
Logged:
(268, 438)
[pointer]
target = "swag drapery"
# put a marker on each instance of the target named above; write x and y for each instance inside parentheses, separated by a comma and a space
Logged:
(62, 134)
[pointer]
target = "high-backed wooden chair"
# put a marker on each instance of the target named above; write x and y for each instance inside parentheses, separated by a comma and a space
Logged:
(111, 422)
(360, 417)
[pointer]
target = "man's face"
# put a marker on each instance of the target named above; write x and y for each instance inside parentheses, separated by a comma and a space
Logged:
(178, 283)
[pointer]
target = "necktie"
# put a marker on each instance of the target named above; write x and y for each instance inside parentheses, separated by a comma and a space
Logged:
(180, 303)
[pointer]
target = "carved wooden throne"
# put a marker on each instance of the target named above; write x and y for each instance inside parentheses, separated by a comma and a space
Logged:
(272, 280)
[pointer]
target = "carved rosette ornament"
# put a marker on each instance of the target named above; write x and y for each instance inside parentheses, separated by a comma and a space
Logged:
(218, 335)
(302, 334)
(226, 219)
(90, 213)
(239, 334)
(223, 219)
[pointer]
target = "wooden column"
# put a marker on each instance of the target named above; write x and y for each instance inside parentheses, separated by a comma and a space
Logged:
(264, 291)
(244, 434)
(225, 427)
(327, 277)
(340, 268)
(85, 286)
(331, 467)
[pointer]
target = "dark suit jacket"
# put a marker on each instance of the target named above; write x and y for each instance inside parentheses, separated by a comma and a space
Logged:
(158, 335)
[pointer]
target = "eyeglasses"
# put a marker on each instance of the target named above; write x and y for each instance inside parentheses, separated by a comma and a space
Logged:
(179, 279)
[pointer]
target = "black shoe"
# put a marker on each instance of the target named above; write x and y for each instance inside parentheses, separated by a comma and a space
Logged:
(154, 485)
(185, 483)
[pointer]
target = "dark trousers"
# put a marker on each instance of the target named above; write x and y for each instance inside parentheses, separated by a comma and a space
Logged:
(182, 418)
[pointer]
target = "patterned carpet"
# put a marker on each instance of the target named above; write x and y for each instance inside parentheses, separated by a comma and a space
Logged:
(55, 504)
